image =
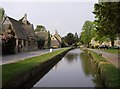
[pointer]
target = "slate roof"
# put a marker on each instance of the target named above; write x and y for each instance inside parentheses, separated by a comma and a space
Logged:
(58, 37)
(42, 35)
(30, 31)
(54, 43)
(17, 28)
(22, 19)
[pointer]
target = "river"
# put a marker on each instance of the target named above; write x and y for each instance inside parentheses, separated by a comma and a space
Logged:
(75, 69)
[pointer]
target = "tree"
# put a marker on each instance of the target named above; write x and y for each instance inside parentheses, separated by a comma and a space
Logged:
(41, 43)
(2, 12)
(8, 41)
(70, 39)
(76, 37)
(87, 34)
(40, 28)
(107, 15)
(63, 43)
(49, 40)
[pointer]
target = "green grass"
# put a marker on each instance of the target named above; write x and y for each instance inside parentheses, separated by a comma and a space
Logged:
(12, 69)
(111, 73)
(97, 57)
(114, 51)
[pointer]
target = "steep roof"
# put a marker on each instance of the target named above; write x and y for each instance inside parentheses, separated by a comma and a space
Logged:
(24, 20)
(58, 37)
(30, 31)
(17, 27)
(42, 35)
(54, 43)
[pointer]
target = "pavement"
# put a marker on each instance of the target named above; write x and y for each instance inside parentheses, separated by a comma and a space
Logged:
(112, 58)
(21, 56)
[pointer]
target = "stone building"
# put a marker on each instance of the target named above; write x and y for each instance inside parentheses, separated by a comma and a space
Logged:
(56, 40)
(32, 38)
(24, 33)
(44, 36)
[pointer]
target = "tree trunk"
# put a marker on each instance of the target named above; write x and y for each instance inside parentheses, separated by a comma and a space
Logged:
(112, 42)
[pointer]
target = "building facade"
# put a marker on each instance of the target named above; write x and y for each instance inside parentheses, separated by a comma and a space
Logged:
(24, 33)
(56, 40)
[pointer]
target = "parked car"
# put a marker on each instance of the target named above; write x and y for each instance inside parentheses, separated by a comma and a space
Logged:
(103, 47)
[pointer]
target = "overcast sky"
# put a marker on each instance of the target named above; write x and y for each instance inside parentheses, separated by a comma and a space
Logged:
(64, 17)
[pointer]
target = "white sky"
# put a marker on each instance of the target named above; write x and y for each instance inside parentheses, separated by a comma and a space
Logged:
(64, 17)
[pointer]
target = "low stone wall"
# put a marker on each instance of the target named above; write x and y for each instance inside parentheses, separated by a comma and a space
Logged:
(20, 80)
(102, 70)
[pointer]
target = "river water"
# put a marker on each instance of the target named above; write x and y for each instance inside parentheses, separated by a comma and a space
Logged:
(75, 69)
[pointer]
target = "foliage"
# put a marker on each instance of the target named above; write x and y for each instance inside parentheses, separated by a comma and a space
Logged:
(41, 43)
(88, 32)
(107, 23)
(40, 28)
(49, 40)
(70, 39)
(8, 41)
(63, 44)
(2, 11)
(76, 37)
(101, 39)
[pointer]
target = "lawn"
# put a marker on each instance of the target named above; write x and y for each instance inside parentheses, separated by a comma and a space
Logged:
(110, 72)
(12, 69)
(114, 51)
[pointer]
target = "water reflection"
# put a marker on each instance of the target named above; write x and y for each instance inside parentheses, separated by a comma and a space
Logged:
(71, 57)
(76, 69)
(90, 68)
(86, 63)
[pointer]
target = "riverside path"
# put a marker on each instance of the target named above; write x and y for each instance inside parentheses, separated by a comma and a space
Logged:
(112, 58)
(21, 56)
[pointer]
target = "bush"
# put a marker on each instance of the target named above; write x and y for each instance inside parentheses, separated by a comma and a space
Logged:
(96, 46)
(41, 43)
(8, 46)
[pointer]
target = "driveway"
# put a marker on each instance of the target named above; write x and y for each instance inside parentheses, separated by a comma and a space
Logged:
(21, 56)
(112, 58)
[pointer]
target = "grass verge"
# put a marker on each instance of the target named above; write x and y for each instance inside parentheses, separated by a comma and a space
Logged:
(13, 69)
(114, 51)
(110, 73)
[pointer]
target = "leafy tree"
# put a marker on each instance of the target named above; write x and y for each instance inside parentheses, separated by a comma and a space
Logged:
(87, 33)
(49, 40)
(76, 37)
(2, 11)
(107, 15)
(101, 39)
(63, 43)
(40, 28)
(8, 41)
(70, 39)
(41, 43)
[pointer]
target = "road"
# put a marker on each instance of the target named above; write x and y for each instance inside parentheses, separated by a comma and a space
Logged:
(21, 56)
(112, 58)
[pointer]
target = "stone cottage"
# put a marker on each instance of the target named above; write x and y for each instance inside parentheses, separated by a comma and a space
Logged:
(24, 33)
(44, 36)
(56, 40)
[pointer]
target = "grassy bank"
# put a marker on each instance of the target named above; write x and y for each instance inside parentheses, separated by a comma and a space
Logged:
(109, 72)
(13, 69)
(114, 51)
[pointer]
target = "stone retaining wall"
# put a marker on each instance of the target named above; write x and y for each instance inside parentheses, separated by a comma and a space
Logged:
(20, 80)
(101, 69)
